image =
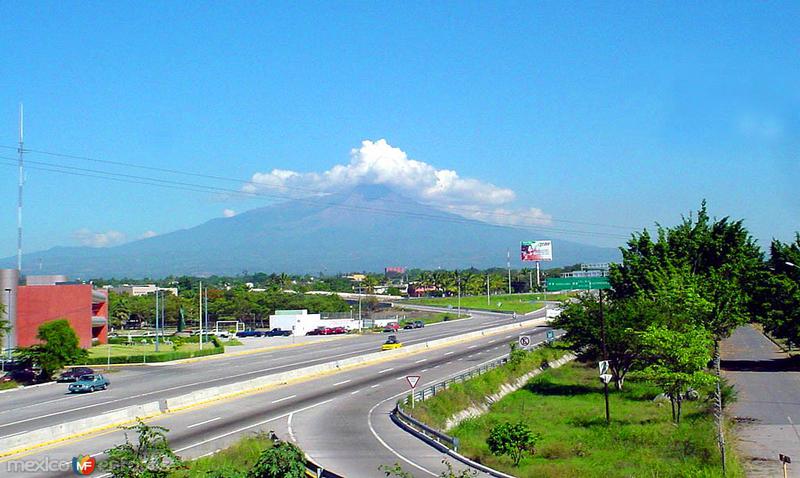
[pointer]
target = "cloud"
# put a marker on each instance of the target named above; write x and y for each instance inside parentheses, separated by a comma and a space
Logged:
(228, 213)
(148, 234)
(761, 127)
(380, 163)
(86, 237)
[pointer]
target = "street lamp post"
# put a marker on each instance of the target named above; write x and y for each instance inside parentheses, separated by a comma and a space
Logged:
(8, 317)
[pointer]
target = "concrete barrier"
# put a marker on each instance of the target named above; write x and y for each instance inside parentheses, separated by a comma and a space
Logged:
(52, 434)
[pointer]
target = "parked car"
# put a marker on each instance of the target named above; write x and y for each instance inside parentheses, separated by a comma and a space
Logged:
(391, 327)
(74, 374)
(22, 375)
(409, 326)
(391, 343)
(250, 333)
(281, 333)
(339, 330)
(317, 331)
(89, 383)
(418, 324)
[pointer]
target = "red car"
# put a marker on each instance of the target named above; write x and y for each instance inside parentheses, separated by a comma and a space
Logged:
(392, 327)
(339, 330)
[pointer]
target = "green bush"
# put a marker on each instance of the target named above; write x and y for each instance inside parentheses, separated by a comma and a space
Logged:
(155, 357)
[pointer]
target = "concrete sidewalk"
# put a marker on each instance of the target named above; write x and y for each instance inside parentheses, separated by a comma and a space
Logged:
(768, 407)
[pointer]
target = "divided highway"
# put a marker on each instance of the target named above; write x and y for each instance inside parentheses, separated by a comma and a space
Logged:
(339, 419)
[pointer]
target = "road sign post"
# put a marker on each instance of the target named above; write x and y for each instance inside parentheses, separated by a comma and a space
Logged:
(412, 382)
(605, 377)
(785, 460)
(524, 341)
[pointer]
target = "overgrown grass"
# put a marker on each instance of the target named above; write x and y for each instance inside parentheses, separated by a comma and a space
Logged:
(436, 410)
(519, 303)
(566, 406)
(8, 385)
(240, 456)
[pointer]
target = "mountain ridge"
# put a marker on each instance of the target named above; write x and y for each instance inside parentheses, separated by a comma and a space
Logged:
(367, 228)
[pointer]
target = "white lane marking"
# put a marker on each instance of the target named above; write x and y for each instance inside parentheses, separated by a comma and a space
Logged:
(399, 378)
(423, 370)
(421, 360)
(509, 336)
(472, 346)
(461, 358)
(437, 366)
(353, 393)
(342, 382)
(289, 427)
(14, 434)
(448, 353)
(203, 423)
(375, 386)
(386, 370)
(284, 398)
(208, 454)
(375, 434)
(448, 363)
(238, 430)
(98, 454)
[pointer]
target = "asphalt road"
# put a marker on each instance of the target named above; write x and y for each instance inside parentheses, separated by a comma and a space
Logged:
(30, 409)
(340, 420)
(768, 405)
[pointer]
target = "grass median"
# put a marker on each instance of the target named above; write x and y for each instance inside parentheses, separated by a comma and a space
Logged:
(519, 303)
(566, 406)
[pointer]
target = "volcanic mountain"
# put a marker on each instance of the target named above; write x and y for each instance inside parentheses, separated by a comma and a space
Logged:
(366, 229)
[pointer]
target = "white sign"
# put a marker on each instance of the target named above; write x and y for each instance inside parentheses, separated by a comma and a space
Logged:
(412, 380)
(606, 377)
(603, 366)
(536, 251)
(524, 340)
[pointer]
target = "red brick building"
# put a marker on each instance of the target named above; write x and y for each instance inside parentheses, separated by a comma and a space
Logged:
(85, 308)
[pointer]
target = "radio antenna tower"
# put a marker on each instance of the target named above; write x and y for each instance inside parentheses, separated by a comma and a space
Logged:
(20, 150)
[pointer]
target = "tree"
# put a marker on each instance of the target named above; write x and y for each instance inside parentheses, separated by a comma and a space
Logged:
(282, 460)
(778, 296)
(59, 347)
(677, 360)
(515, 440)
(150, 457)
(622, 317)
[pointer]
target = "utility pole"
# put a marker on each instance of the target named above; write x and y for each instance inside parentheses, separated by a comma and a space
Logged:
(508, 264)
(205, 308)
(158, 310)
(487, 288)
(20, 150)
(458, 281)
(200, 315)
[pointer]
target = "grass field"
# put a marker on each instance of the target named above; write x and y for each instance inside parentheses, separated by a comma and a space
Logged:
(433, 319)
(101, 351)
(566, 406)
(519, 303)
(239, 457)
(435, 411)
(8, 385)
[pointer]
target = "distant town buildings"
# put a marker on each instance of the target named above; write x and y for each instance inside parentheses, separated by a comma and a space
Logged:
(137, 290)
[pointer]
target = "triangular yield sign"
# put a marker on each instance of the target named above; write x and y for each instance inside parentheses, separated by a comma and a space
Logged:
(412, 380)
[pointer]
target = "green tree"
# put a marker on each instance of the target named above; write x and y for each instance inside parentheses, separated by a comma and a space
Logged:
(778, 296)
(59, 346)
(676, 360)
(150, 457)
(582, 322)
(515, 440)
(282, 460)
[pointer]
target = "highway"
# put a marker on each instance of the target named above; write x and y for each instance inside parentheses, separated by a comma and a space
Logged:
(29, 409)
(340, 420)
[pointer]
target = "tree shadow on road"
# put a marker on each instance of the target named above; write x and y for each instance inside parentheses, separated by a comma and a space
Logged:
(777, 365)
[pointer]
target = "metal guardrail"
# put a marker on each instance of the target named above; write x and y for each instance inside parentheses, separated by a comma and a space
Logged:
(428, 392)
(315, 471)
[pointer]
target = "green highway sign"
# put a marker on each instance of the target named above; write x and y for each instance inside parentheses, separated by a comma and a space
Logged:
(569, 283)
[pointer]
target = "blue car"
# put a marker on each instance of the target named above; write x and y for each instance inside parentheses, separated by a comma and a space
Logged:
(89, 383)
(250, 333)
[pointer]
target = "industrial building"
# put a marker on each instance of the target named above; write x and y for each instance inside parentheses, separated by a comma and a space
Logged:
(45, 298)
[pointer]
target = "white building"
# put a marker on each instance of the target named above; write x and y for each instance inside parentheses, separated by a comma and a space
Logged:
(300, 322)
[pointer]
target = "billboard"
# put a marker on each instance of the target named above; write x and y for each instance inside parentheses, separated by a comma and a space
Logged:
(394, 271)
(536, 251)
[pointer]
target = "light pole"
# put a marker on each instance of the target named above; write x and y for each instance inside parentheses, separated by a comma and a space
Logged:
(458, 281)
(8, 318)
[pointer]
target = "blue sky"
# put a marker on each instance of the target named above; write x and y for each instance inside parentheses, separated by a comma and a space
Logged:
(617, 114)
